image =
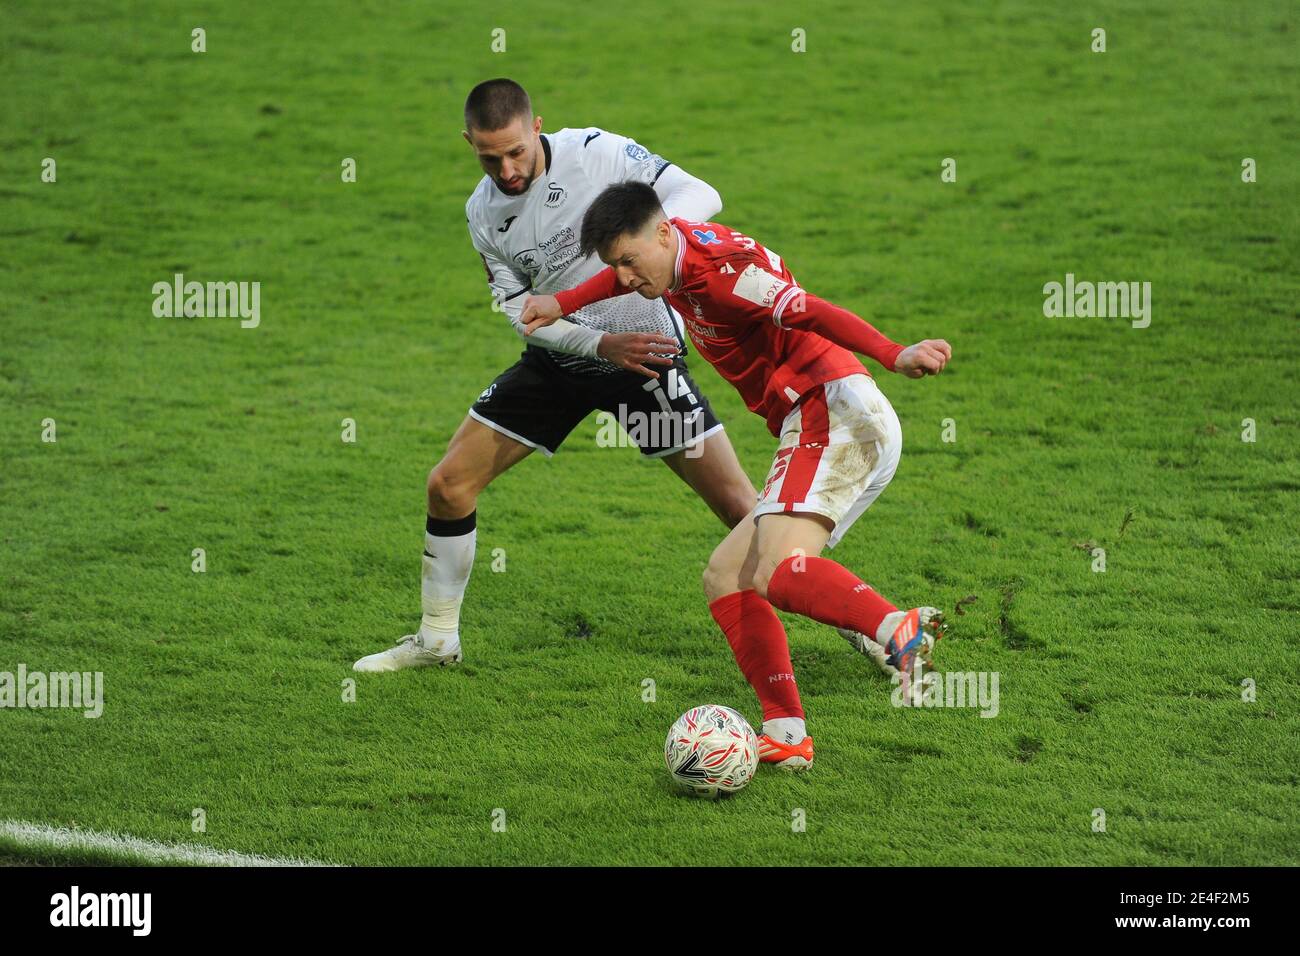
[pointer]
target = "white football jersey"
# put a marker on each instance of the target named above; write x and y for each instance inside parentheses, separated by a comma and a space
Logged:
(529, 243)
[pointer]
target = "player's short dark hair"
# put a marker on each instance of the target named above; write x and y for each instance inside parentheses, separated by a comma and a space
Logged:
(620, 210)
(495, 104)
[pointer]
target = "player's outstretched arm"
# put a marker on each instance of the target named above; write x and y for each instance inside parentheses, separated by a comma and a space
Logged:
(634, 351)
(541, 310)
(804, 311)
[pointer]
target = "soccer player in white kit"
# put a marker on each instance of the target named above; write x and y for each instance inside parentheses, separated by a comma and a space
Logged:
(622, 355)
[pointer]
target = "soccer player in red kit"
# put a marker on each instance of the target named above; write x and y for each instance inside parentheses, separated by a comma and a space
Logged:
(790, 355)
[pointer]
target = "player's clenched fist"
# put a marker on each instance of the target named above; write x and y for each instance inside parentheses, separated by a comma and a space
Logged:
(923, 358)
(539, 311)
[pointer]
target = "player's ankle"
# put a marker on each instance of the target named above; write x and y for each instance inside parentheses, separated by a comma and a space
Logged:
(440, 642)
(786, 730)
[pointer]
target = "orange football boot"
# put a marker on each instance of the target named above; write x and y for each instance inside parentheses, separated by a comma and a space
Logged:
(790, 756)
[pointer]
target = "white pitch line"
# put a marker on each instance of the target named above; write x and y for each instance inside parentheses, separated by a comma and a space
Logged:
(38, 836)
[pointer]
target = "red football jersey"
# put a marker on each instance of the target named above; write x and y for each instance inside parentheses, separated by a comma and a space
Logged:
(748, 316)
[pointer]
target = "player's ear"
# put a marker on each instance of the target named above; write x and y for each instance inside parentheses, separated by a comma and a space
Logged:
(469, 139)
(537, 125)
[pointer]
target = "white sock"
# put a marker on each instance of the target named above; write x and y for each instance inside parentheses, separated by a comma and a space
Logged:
(785, 730)
(448, 560)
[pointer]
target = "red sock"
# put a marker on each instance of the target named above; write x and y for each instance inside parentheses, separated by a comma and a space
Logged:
(758, 640)
(829, 593)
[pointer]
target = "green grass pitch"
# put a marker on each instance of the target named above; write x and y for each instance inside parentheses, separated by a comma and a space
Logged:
(1120, 690)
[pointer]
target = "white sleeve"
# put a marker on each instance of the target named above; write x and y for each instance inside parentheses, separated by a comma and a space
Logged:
(509, 287)
(685, 197)
(561, 336)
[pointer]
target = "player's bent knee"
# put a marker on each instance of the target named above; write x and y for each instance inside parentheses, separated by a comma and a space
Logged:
(719, 579)
(449, 498)
(715, 585)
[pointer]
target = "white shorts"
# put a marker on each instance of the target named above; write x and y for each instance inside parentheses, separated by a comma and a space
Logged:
(839, 449)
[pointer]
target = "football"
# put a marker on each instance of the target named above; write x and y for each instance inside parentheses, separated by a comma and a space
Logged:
(711, 750)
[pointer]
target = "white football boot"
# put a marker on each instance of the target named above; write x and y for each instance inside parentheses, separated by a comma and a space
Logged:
(409, 652)
(869, 649)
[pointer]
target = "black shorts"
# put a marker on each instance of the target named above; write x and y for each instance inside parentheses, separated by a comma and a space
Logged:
(538, 403)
